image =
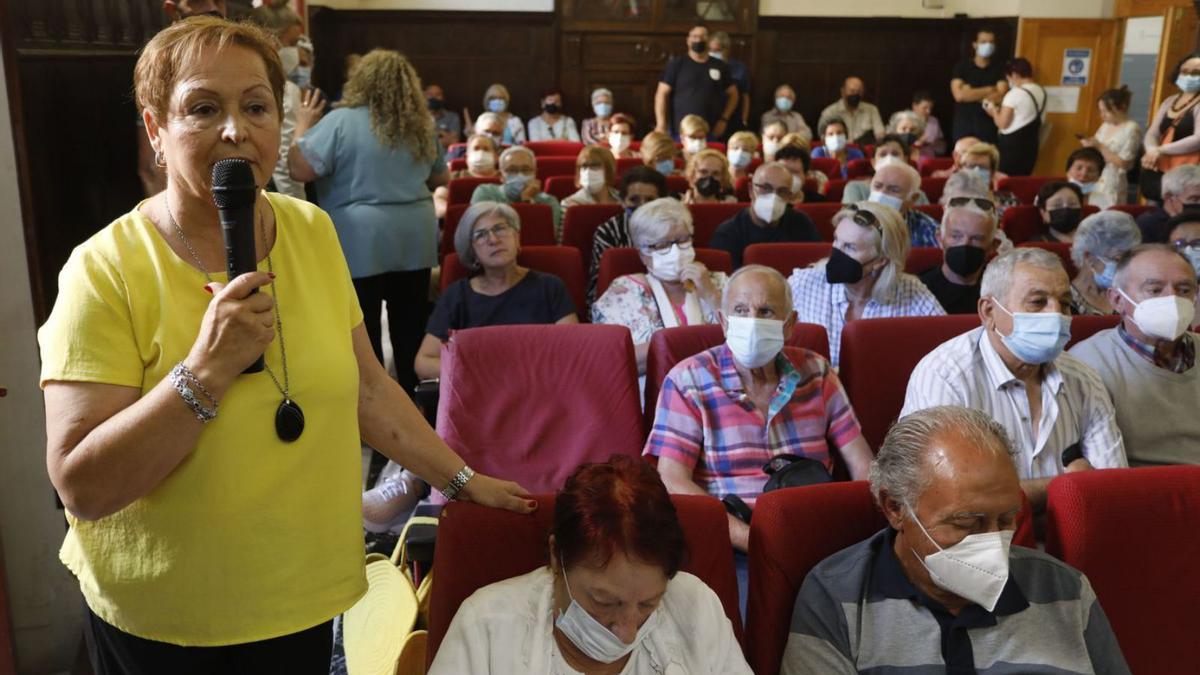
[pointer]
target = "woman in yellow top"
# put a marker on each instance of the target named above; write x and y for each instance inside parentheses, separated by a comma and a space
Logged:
(210, 508)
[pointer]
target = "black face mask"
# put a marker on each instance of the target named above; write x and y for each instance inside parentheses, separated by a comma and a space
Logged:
(708, 186)
(698, 47)
(842, 269)
(965, 260)
(1192, 207)
(435, 104)
(552, 108)
(853, 100)
(1065, 220)
(908, 139)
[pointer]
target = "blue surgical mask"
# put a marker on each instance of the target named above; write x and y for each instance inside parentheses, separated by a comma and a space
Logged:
(783, 103)
(665, 167)
(982, 172)
(497, 105)
(985, 49)
(1193, 254)
(592, 637)
(1036, 337)
(602, 109)
(886, 199)
(301, 76)
(514, 185)
(1105, 278)
(1085, 188)
(1190, 84)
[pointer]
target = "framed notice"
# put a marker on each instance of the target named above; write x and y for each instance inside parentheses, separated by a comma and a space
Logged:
(1077, 63)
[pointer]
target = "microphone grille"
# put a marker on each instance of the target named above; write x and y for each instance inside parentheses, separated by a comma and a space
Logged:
(233, 183)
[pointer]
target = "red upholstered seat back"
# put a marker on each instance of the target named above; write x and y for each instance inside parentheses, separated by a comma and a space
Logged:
(1025, 187)
(928, 165)
(933, 210)
(626, 163)
(560, 187)
(1135, 533)
(537, 225)
(1083, 327)
(834, 189)
(932, 187)
(505, 406)
(878, 356)
(580, 223)
(822, 213)
(669, 346)
(922, 258)
(859, 168)
(706, 218)
(561, 261)
(555, 166)
(1023, 222)
(555, 148)
(460, 189)
(617, 262)
(676, 185)
(792, 531)
(1059, 248)
(477, 546)
(829, 166)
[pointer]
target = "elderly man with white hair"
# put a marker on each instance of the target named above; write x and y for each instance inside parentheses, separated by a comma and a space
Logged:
(518, 170)
(1180, 191)
(968, 236)
(942, 589)
(1098, 243)
(1013, 368)
(727, 411)
(676, 289)
(770, 217)
(897, 184)
(1148, 362)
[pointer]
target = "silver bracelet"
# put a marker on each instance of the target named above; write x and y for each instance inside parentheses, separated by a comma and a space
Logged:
(187, 384)
(460, 480)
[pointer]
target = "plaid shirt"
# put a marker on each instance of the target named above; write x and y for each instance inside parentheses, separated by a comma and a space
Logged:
(1183, 360)
(922, 228)
(706, 421)
(820, 302)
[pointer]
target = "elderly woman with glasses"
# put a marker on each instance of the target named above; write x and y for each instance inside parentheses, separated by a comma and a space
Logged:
(863, 277)
(498, 292)
(675, 291)
(1100, 241)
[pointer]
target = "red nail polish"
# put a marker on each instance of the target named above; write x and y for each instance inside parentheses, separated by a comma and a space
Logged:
(208, 288)
(271, 274)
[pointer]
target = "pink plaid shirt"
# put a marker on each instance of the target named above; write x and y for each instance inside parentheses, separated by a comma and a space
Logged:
(705, 420)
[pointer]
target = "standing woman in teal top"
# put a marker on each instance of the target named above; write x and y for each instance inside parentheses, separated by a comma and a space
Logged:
(376, 162)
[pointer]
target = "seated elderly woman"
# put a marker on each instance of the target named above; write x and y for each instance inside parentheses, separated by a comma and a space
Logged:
(620, 136)
(499, 292)
(693, 133)
(676, 291)
(518, 170)
(1060, 204)
(709, 179)
(910, 127)
(595, 130)
(741, 151)
(659, 153)
(482, 150)
(612, 598)
(596, 178)
(1100, 241)
(496, 100)
(863, 278)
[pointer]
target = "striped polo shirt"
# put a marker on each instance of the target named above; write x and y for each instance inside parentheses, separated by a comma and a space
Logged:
(1076, 408)
(857, 612)
(706, 421)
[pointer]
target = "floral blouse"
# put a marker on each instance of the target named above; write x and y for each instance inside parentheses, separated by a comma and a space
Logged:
(630, 302)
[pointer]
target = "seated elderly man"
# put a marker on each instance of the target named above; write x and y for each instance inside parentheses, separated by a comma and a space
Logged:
(891, 148)
(898, 185)
(1148, 362)
(1054, 407)
(770, 217)
(1180, 192)
(518, 170)
(726, 412)
(942, 589)
(968, 237)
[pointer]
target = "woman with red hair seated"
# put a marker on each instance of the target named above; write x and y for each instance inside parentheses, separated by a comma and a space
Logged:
(611, 599)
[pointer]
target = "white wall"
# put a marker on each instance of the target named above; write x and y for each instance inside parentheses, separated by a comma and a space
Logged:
(916, 9)
(442, 5)
(44, 598)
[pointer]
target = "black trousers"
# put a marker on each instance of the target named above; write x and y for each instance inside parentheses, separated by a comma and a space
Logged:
(407, 298)
(115, 652)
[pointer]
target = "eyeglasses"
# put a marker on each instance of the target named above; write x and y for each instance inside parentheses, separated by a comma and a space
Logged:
(1186, 243)
(767, 188)
(659, 246)
(864, 217)
(985, 204)
(499, 230)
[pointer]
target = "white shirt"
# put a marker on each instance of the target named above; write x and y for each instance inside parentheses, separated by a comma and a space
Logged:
(1076, 408)
(1022, 104)
(562, 130)
(287, 135)
(507, 628)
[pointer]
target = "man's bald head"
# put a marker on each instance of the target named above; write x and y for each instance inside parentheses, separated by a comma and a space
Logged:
(754, 287)
(962, 145)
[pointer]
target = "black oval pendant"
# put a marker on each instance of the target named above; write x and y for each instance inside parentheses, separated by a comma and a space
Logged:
(289, 421)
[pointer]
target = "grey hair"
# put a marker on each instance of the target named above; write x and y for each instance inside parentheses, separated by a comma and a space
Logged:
(652, 220)
(966, 184)
(1103, 233)
(487, 118)
(771, 272)
(463, 245)
(901, 115)
(989, 216)
(601, 91)
(517, 150)
(1126, 260)
(997, 276)
(1176, 181)
(914, 176)
(901, 470)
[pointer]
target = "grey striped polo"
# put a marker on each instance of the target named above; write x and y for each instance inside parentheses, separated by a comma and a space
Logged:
(858, 613)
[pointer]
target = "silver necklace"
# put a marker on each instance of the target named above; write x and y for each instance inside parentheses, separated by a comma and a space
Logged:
(289, 418)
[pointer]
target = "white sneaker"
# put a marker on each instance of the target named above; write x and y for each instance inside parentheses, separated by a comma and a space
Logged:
(389, 504)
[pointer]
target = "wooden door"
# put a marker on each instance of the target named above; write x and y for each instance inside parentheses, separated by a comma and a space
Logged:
(1045, 43)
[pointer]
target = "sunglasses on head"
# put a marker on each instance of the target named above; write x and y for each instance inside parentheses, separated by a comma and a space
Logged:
(985, 204)
(864, 217)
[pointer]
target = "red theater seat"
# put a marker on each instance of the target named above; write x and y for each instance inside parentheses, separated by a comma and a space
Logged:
(822, 213)
(626, 163)
(706, 218)
(505, 411)
(795, 529)
(929, 165)
(1025, 187)
(555, 166)
(1084, 327)
(560, 186)
(932, 210)
(461, 189)
(458, 164)
(1133, 532)
(1023, 222)
(537, 225)
(859, 168)
(580, 223)
(829, 166)
(1059, 248)
(617, 262)
(834, 189)
(477, 546)
(922, 258)
(677, 185)
(932, 187)
(741, 188)
(878, 356)
(555, 149)
(561, 261)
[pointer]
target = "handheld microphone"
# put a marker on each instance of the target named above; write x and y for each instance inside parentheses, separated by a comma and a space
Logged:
(233, 192)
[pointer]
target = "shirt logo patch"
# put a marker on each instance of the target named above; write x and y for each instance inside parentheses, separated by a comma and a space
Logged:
(714, 74)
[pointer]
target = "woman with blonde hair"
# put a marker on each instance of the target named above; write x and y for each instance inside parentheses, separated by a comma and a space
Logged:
(863, 277)
(375, 161)
(497, 100)
(709, 179)
(741, 151)
(659, 152)
(596, 178)
(693, 133)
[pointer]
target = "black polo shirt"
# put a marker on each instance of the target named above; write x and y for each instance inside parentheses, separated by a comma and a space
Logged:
(954, 298)
(735, 234)
(696, 88)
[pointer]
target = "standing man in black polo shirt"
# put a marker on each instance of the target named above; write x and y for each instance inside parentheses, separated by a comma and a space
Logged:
(975, 79)
(695, 84)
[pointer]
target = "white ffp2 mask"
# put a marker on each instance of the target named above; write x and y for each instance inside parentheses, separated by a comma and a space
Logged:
(1163, 318)
(769, 207)
(974, 569)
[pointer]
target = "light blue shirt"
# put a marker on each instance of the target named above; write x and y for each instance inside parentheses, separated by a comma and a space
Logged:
(376, 195)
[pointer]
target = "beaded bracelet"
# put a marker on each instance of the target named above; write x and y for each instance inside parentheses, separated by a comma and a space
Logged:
(457, 483)
(187, 384)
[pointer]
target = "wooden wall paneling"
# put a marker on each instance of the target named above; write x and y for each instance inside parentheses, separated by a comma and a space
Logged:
(1127, 8)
